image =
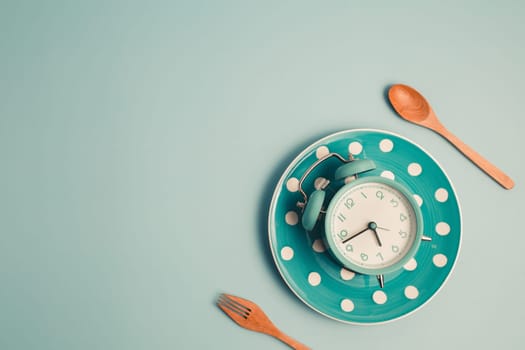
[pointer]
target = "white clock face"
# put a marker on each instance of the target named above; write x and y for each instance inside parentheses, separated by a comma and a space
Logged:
(371, 226)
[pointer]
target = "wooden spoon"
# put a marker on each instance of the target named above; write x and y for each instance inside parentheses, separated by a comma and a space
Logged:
(412, 106)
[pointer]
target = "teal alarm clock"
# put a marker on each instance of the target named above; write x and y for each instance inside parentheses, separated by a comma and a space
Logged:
(372, 224)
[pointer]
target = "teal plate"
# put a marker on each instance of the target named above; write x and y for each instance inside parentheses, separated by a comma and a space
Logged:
(317, 279)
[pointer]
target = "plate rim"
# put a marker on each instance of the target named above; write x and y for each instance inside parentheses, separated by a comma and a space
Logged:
(300, 156)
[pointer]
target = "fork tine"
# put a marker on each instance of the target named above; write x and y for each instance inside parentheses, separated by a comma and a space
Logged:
(233, 314)
(236, 301)
(233, 308)
(230, 308)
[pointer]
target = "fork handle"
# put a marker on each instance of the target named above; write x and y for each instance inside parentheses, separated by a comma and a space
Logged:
(291, 342)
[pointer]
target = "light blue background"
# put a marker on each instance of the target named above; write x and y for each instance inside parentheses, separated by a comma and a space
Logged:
(140, 144)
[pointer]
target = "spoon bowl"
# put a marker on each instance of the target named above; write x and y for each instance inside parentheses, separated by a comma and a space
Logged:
(409, 103)
(413, 107)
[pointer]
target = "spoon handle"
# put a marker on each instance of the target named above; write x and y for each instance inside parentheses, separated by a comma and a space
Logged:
(489, 168)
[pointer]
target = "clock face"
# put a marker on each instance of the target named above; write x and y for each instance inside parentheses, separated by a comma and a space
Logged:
(373, 225)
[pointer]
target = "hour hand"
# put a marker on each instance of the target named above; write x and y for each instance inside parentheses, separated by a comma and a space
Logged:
(373, 227)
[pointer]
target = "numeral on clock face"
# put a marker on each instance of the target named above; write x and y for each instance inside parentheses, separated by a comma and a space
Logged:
(342, 234)
(349, 203)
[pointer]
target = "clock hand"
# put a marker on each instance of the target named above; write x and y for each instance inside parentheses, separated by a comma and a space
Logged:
(373, 226)
(355, 235)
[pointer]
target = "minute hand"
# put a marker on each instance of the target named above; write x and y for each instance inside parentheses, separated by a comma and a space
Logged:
(357, 234)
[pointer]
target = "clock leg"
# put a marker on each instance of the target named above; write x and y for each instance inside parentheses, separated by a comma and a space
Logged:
(381, 280)
(426, 238)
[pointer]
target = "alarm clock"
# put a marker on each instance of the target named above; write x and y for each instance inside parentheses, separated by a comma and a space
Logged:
(372, 224)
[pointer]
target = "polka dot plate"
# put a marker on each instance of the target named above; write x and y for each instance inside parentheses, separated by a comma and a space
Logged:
(317, 279)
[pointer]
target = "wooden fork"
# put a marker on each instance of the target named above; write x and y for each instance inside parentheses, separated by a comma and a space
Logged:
(250, 316)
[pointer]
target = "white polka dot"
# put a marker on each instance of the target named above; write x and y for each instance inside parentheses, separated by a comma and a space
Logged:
(322, 152)
(411, 292)
(349, 179)
(321, 183)
(442, 228)
(386, 145)
(418, 199)
(414, 169)
(388, 174)
(291, 218)
(441, 195)
(347, 275)
(347, 305)
(318, 246)
(314, 279)
(439, 260)
(355, 148)
(411, 265)
(287, 253)
(379, 297)
(292, 184)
